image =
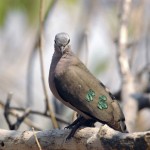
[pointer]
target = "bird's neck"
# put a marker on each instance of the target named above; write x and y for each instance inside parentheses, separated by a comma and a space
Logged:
(55, 59)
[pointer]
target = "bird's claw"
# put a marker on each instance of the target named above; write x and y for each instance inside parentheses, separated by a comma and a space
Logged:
(68, 137)
(69, 127)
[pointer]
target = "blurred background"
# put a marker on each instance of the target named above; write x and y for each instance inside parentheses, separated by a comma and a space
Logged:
(93, 29)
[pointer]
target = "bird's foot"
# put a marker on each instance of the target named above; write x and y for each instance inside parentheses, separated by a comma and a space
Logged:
(89, 123)
(73, 130)
(74, 123)
(80, 122)
(69, 126)
(71, 134)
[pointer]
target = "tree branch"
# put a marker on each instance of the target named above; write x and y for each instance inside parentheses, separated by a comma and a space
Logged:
(84, 139)
(30, 66)
(47, 104)
(6, 110)
(130, 105)
(59, 118)
(20, 119)
(143, 99)
(35, 112)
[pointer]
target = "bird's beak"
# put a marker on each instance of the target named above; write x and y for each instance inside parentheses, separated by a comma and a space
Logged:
(62, 49)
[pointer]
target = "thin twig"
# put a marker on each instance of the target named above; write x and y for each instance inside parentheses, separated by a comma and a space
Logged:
(31, 61)
(13, 113)
(30, 123)
(41, 47)
(47, 105)
(86, 47)
(20, 119)
(145, 69)
(27, 121)
(87, 7)
(37, 142)
(59, 118)
(49, 9)
(6, 109)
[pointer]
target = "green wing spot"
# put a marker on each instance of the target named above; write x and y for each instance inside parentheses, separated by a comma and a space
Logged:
(103, 98)
(90, 95)
(102, 104)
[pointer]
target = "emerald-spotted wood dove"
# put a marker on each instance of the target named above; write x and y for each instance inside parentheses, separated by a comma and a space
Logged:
(73, 84)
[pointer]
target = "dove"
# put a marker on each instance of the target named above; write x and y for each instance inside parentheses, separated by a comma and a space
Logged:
(76, 87)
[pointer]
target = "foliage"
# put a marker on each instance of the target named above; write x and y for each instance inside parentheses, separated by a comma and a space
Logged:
(30, 7)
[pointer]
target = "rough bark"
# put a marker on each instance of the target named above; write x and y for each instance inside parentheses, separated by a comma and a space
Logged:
(84, 139)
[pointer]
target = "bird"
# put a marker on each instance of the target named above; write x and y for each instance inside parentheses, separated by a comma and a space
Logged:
(76, 87)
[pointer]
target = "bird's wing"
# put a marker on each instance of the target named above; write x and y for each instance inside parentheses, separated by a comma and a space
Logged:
(83, 91)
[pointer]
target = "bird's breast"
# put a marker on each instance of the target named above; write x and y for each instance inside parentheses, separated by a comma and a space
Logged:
(61, 67)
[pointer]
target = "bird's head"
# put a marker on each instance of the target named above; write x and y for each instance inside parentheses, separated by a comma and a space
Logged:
(61, 42)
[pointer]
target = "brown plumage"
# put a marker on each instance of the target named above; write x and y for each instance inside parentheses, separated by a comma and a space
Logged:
(73, 84)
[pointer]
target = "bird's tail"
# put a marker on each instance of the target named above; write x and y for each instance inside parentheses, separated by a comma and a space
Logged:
(119, 119)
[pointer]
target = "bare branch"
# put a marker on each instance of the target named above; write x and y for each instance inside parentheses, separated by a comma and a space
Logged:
(123, 39)
(20, 119)
(48, 107)
(12, 109)
(59, 118)
(145, 69)
(6, 110)
(130, 105)
(27, 121)
(30, 69)
(86, 138)
(143, 100)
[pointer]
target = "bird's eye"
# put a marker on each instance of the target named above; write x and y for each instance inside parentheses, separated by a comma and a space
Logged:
(55, 41)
